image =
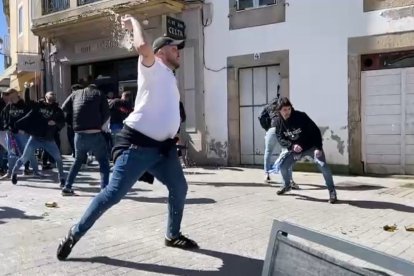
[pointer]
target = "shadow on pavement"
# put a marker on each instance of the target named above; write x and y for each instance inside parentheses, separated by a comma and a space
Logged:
(165, 199)
(228, 184)
(198, 173)
(94, 189)
(232, 265)
(366, 204)
(13, 213)
(345, 186)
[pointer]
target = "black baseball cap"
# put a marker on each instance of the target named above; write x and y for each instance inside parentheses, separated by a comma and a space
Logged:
(164, 41)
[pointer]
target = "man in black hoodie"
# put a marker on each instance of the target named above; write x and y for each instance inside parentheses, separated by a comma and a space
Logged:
(17, 139)
(302, 137)
(42, 122)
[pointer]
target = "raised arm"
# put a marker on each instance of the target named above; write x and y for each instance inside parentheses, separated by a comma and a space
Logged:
(27, 87)
(140, 40)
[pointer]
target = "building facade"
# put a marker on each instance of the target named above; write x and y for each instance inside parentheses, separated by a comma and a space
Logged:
(81, 42)
(21, 47)
(347, 64)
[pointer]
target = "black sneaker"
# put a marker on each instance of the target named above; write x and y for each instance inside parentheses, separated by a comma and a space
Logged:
(284, 190)
(66, 245)
(27, 172)
(68, 192)
(62, 183)
(14, 179)
(181, 242)
(332, 198)
(46, 167)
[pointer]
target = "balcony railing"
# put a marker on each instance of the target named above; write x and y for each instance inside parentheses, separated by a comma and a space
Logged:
(84, 2)
(50, 6)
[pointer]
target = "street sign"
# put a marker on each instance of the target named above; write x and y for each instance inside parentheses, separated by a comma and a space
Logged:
(175, 28)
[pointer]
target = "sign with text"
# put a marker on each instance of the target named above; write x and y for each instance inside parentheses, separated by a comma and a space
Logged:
(99, 45)
(175, 28)
(29, 63)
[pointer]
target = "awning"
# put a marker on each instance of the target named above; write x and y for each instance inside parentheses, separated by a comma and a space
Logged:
(8, 72)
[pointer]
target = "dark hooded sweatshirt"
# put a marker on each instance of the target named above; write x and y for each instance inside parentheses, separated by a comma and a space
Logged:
(12, 113)
(36, 121)
(298, 129)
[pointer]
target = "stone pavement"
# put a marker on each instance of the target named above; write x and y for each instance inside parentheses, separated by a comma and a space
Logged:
(229, 213)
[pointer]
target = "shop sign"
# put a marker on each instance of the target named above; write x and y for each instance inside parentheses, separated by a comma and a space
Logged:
(99, 45)
(29, 63)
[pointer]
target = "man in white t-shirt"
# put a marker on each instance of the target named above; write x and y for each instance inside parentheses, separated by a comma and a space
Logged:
(147, 141)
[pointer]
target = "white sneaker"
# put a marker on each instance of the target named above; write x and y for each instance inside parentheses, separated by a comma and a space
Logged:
(6, 176)
(294, 185)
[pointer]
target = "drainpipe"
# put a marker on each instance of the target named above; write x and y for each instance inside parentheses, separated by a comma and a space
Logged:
(49, 65)
(43, 53)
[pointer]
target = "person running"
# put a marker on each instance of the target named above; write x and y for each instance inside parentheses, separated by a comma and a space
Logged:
(148, 139)
(302, 137)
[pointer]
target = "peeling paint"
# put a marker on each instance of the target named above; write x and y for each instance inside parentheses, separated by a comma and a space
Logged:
(340, 142)
(323, 129)
(218, 148)
(396, 14)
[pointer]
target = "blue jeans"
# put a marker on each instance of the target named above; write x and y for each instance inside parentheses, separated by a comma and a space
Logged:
(17, 150)
(84, 143)
(129, 167)
(270, 144)
(291, 159)
(49, 146)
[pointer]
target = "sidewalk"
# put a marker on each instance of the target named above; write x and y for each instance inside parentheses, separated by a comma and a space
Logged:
(229, 213)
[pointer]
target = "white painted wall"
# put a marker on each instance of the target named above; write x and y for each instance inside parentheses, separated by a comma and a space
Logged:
(316, 34)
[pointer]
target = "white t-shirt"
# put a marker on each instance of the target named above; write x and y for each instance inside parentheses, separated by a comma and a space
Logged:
(156, 113)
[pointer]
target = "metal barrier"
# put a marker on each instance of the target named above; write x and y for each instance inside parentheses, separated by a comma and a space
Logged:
(287, 257)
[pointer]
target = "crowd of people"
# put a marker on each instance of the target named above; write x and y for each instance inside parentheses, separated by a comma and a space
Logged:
(30, 131)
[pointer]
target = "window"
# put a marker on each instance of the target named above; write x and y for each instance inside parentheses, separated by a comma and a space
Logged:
(248, 4)
(20, 23)
(251, 13)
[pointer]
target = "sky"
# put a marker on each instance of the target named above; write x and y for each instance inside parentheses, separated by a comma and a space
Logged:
(3, 32)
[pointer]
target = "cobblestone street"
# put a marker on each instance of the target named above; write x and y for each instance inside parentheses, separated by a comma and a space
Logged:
(229, 212)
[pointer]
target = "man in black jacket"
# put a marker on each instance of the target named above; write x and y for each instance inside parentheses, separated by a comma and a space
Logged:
(42, 122)
(90, 111)
(302, 137)
(16, 138)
